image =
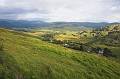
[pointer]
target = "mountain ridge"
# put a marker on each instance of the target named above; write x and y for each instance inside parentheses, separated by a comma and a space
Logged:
(37, 24)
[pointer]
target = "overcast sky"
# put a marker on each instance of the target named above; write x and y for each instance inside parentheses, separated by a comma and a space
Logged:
(61, 10)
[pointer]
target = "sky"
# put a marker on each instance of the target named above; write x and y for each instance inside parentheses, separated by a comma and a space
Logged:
(61, 10)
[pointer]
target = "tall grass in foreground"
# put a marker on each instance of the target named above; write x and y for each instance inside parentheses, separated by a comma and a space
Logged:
(26, 57)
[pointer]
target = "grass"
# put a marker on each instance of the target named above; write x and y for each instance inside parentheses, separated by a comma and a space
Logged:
(30, 58)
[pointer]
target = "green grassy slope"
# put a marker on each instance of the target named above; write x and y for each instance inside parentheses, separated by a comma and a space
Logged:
(25, 57)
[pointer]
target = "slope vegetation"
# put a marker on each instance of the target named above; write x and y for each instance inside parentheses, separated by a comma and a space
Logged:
(26, 57)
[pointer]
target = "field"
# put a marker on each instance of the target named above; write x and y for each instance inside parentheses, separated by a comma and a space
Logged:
(26, 57)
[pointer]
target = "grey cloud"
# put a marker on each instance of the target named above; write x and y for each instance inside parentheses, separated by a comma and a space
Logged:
(15, 10)
(62, 10)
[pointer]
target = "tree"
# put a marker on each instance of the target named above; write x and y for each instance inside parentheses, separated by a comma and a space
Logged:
(107, 52)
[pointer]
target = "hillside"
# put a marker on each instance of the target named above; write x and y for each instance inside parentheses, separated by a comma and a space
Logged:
(112, 37)
(112, 27)
(87, 40)
(26, 57)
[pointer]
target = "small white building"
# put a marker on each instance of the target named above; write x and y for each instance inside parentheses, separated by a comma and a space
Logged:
(101, 51)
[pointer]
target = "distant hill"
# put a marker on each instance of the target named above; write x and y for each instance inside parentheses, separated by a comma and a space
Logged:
(80, 24)
(38, 24)
(26, 57)
(21, 24)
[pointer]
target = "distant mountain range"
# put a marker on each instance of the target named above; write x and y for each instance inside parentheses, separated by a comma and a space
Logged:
(36, 24)
(22, 24)
(80, 24)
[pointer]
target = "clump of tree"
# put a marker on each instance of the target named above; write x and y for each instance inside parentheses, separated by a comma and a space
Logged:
(48, 37)
(108, 52)
(86, 48)
(103, 51)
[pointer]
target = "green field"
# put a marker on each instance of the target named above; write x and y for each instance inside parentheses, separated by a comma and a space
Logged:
(26, 57)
